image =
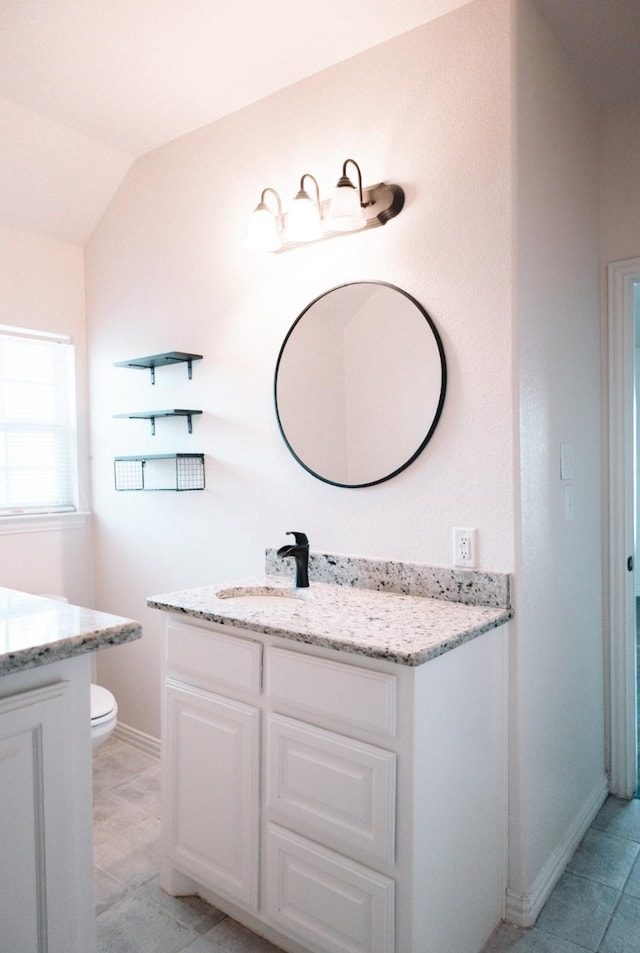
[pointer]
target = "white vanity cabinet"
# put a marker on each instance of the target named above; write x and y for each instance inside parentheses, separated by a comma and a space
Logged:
(334, 802)
(46, 873)
(211, 755)
(46, 822)
(330, 804)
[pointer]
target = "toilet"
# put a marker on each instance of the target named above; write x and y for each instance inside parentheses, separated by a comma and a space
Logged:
(104, 715)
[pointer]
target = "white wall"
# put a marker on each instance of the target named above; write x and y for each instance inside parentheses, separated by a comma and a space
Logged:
(514, 294)
(620, 185)
(42, 287)
(557, 757)
(167, 270)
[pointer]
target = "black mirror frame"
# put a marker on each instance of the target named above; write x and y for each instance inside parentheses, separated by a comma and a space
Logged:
(437, 415)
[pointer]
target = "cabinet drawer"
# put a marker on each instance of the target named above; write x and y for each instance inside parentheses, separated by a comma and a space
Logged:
(346, 694)
(325, 900)
(331, 787)
(213, 659)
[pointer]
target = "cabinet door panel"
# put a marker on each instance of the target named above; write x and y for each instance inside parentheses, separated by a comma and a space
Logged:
(326, 901)
(332, 787)
(22, 838)
(212, 771)
(341, 693)
(36, 903)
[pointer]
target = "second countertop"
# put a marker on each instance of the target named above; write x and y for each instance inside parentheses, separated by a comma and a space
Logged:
(36, 630)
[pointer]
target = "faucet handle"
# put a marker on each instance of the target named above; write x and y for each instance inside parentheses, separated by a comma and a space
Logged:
(300, 538)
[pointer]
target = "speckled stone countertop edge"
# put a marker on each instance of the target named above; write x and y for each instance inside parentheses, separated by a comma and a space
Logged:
(24, 659)
(406, 630)
(411, 659)
(38, 631)
(467, 586)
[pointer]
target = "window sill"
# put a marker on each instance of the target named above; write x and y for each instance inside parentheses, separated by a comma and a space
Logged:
(43, 523)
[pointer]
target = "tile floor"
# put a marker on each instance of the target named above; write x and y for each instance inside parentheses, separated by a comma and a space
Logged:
(132, 914)
(595, 906)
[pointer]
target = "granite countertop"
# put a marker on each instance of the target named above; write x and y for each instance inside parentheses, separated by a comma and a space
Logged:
(405, 629)
(35, 630)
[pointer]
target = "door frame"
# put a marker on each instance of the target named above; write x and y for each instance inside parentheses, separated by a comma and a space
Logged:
(620, 651)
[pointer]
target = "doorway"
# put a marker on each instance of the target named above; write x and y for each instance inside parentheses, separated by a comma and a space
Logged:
(621, 647)
(636, 406)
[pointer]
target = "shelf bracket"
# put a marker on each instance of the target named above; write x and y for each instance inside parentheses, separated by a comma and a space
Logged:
(152, 415)
(189, 424)
(189, 364)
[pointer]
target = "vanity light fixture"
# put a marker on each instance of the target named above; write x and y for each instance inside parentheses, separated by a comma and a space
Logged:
(347, 204)
(352, 208)
(263, 233)
(303, 220)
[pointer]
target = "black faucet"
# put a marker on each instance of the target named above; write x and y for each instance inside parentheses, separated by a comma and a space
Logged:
(300, 552)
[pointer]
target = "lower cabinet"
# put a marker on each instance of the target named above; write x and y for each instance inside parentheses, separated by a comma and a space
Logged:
(324, 899)
(332, 787)
(46, 896)
(213, 754)
(324, 799)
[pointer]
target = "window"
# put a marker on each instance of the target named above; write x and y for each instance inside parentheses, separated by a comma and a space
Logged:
(37, 423)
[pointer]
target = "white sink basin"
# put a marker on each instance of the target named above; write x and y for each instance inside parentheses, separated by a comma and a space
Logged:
(270, 597)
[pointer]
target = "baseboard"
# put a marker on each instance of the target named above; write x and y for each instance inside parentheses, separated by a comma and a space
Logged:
(137, 739)
(523, 909)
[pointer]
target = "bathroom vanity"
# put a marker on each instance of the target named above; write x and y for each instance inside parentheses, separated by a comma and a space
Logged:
(334, 758)
(46, 862)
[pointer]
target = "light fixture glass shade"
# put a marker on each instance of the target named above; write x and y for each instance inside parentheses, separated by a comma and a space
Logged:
(346, 213)
(303, 220)
(262, 232)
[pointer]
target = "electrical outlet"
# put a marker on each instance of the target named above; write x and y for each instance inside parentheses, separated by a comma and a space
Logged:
(464, 548)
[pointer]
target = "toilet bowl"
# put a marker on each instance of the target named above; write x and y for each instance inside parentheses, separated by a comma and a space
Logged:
(104, 709)
(104, 715)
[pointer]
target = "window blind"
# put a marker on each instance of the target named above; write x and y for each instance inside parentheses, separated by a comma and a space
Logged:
(37, 423)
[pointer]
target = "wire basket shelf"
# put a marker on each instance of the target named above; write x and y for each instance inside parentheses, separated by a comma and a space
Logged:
(163, 471)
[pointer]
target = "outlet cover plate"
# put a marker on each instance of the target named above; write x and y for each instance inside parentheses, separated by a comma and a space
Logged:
(464, 548)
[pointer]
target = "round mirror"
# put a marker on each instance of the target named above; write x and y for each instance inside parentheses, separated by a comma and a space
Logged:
(360, 384)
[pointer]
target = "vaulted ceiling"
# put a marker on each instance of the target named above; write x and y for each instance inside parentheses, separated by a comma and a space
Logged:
(87, 86)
